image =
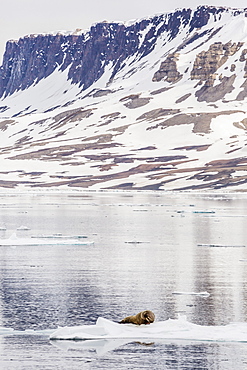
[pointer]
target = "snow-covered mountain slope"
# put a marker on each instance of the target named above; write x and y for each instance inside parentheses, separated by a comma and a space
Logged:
(156, 104)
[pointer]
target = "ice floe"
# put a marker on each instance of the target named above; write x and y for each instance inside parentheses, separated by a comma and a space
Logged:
(204, 212)
(136, 242)
(170, 329)
(59, 236)
(13, 240)
(107, 335)
(24, 228)
(202, 294)
(10, 331)
(220, 246)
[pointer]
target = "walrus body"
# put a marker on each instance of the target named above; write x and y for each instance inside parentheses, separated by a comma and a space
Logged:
(144, 317)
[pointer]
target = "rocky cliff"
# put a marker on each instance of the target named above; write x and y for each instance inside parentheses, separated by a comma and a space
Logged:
(86, 56)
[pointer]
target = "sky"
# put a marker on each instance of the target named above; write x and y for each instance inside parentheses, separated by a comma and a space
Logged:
(23, 17)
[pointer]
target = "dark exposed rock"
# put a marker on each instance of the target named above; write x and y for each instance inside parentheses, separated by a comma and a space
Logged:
(208, 62)
(168, 70)
(157, 113)
(111, 115)
(159, 91)
(4, 124)
(73, 115)
(214, 93)
(100, 93)
(136, 102)
(201, 121)
(198, 148)
(243, 58)
(3, 108)
(184, 97)
(242, 125)
(130, 97)
(242, 95)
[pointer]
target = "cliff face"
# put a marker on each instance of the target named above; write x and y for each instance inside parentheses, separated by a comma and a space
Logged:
(86, 56)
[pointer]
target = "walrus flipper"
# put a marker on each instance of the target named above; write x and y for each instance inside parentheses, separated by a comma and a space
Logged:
(126, 320)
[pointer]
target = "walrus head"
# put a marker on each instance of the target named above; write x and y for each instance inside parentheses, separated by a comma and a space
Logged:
(147, 317)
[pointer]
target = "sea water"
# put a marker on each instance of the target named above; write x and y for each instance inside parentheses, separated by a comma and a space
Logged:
(177, 254)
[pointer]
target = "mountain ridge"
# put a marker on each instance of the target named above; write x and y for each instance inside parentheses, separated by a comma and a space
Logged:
(34, 57)
(158, 104)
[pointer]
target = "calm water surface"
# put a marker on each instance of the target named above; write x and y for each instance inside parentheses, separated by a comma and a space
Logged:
(147, 246)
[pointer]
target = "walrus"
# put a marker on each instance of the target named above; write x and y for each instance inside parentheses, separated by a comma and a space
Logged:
(144, 317)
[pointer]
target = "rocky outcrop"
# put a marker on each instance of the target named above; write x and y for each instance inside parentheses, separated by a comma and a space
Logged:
(168, 70)
(242, 94)
(205, 69)
(208, 62)
(217, 92)
(201, 121)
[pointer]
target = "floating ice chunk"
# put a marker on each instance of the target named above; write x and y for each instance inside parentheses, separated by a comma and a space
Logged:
(6, 331)
(14, 241)
(136, 242)
(220, 246)
(23, 228)
(59, 236)
(203, 211)
(10, 331)
(179, 329)
(202, 294)
(106, 335)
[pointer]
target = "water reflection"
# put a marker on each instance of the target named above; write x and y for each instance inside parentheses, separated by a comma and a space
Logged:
(146, 247)
(36, 352)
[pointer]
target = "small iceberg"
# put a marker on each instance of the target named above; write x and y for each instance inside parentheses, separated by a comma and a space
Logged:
(204, 212)
(59, 236)
(202, 294)
(13, 240)
(23, 228)
(220, 246)
(136, 242)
